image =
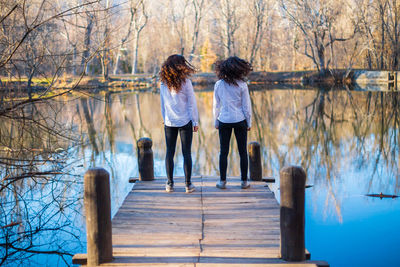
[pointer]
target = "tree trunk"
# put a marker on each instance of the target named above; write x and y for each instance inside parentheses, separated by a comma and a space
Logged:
(395, 56)
(74, 62)
(117, 61)
(29, 85)
(382, 36)
(87, 40)
(105, 54)
(321, 59)
(104, 66)
(198, 16)
(135, 54)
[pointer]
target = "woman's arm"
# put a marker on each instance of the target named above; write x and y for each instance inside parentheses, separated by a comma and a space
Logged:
(162, 102)
(216, 105)
(246, 104)
(192, 104)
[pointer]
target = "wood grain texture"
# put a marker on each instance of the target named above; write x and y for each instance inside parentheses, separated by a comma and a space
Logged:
(209, 227)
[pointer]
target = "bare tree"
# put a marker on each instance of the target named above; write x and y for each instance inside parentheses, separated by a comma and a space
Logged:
(365, 17)
(179, 17)
(392, 26)
(229, 24)
(124, 38)
(36, 173)
(87, 42)
(140, 19)
(199, 7)
(315, 20)
(258, 9)
(382, 6)
(105, 54)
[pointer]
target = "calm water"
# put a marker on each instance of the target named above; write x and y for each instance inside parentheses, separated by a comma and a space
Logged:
(348, 143)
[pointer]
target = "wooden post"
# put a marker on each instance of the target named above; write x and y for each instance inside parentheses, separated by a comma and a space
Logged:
(98, 216)
(145, 159)
(292, 186)
(390, 78)
(255, 161)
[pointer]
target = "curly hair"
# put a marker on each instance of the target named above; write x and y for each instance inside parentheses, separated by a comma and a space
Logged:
(232, 69)
(174, 71)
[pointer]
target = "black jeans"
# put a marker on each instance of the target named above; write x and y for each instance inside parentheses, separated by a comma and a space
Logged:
(171, 135)
(225, 132)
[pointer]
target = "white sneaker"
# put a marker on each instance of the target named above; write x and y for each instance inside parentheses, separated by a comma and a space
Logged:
(169, 188)
(245, 185)
(190, 188)
(221, 184)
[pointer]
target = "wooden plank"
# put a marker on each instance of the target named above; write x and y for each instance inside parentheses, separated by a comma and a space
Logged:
(180, 251)
(233, 230)
(80, 259)
(241, 253)
(210, 227)
(246, 263)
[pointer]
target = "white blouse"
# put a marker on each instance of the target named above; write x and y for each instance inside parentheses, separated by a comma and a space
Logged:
(231, 103)
(178, 108)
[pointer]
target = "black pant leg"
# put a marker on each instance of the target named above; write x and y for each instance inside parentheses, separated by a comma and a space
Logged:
(186, 133)
(225, 132)
(171, 135)
(240, 130)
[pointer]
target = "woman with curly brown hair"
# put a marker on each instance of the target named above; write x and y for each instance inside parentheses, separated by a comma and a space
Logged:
(180, 115)
(232, 110)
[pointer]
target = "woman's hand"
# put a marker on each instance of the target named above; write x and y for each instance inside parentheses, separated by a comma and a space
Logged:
(216, 127)
(195, 128)
(248, 128)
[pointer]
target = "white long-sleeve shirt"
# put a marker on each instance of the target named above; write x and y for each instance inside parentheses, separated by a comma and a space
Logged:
(231, 103)
(178, 108)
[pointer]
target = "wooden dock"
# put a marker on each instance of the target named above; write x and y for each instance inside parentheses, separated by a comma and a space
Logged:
(209, 227)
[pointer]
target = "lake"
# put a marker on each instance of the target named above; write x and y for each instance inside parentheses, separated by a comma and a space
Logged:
(347, 142)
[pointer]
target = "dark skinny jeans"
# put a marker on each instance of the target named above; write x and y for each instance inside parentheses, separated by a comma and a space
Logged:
(171, 135)
(225, 132)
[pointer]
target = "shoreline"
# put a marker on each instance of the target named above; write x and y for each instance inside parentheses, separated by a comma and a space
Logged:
(204, 81)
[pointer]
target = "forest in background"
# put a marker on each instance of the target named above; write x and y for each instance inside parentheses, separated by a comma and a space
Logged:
(49, 39)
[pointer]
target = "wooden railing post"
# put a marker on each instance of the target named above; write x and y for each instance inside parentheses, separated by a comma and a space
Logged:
(98, 216)
(145, 159)
(292, 187)
(255, 161)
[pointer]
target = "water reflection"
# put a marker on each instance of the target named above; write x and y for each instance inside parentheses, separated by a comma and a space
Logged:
(347, 141)
(39, 211)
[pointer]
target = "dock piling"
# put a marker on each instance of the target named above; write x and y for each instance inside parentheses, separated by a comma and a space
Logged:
(292, 219)
(255, 161)
(98, 216)
(145, 159)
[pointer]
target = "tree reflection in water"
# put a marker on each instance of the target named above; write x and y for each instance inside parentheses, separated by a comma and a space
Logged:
(45, 149)
(40, 213)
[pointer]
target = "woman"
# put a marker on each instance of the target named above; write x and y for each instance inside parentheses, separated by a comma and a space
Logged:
(179, 111)
(232, 110)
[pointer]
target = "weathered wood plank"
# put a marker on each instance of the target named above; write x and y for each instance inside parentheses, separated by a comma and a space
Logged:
(210, 227)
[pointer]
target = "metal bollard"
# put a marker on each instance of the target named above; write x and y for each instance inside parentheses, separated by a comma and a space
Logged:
(98, 216)
(145, 159)
(292, 187)
(255, 161)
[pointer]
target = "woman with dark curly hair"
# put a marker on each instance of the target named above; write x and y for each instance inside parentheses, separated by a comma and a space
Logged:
(179, 111)
(232, 110)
